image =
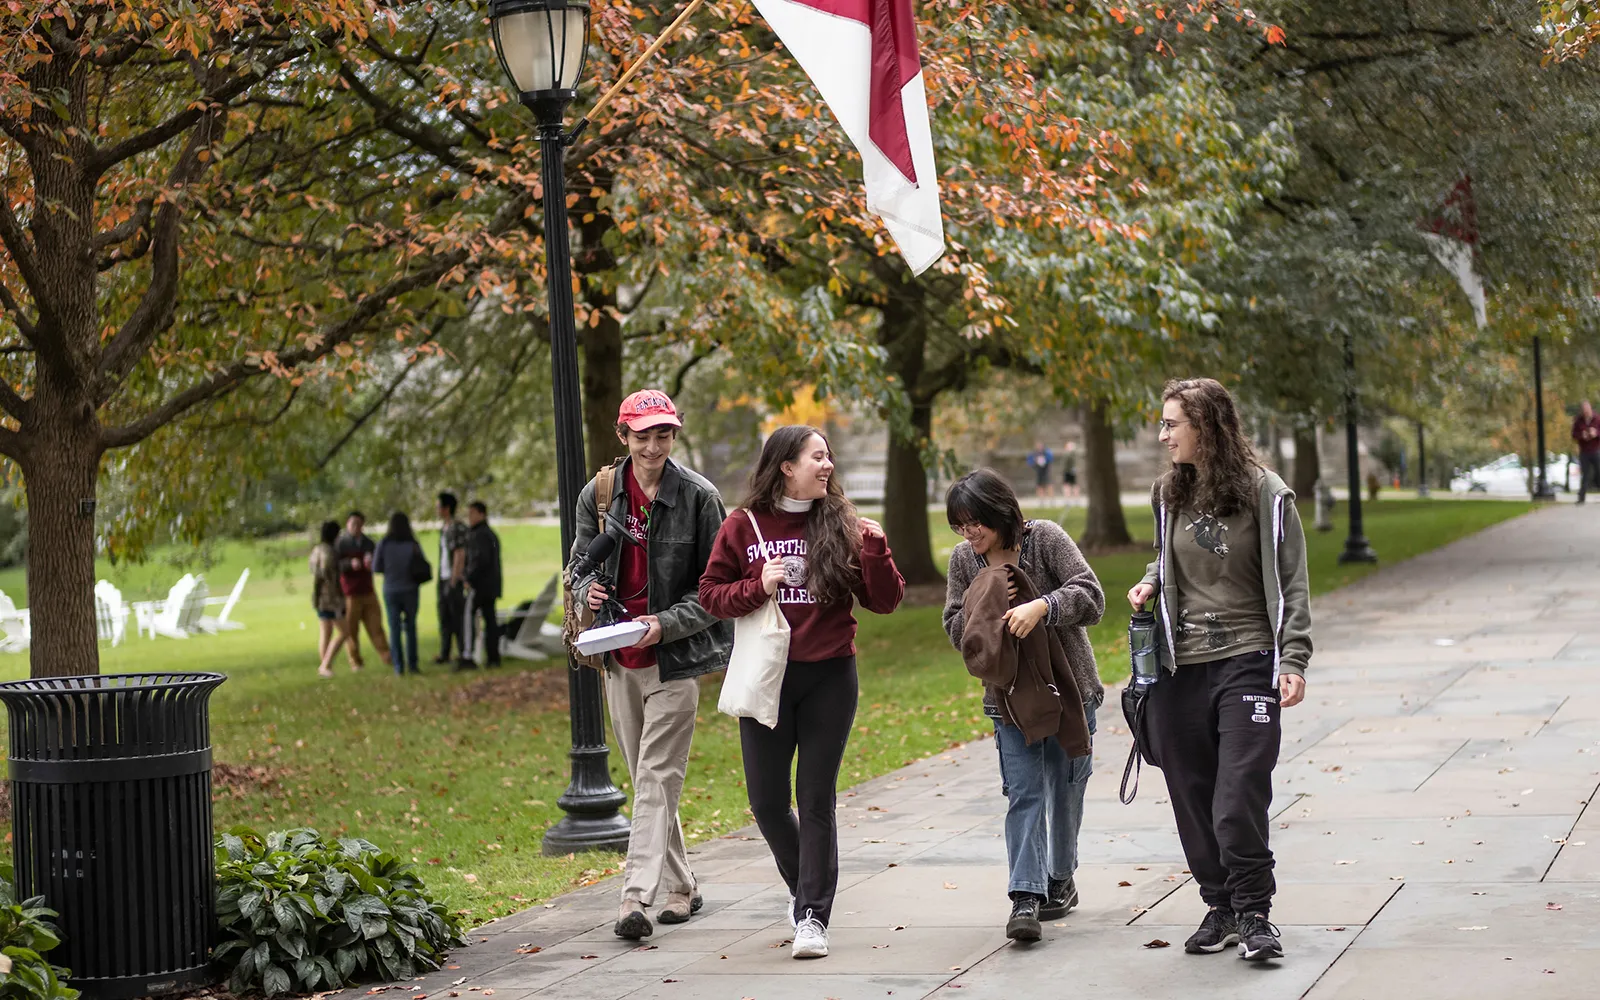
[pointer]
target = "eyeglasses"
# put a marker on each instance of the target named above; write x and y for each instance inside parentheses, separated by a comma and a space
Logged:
(1170, 425)
(965, 529)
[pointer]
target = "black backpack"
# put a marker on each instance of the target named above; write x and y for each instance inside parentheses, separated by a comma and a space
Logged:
(421, 569)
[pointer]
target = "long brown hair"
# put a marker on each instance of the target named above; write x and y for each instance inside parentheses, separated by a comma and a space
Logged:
(1222, 480)
(833, 530)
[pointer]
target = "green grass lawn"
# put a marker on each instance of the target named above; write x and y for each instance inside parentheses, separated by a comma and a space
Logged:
(462, 773)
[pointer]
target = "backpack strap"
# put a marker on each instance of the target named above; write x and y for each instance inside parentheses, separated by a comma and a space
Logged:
(604, 485)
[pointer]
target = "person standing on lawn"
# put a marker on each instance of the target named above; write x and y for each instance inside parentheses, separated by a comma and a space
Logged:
(1040, 459)
(483, 589)
(451, 598)
(1069, 471)
(399, 557)
(1233, 599)
(818, 559)
(652, 687)
(326, 598)
(1043, 782)
(1586, 431)
(354, 549)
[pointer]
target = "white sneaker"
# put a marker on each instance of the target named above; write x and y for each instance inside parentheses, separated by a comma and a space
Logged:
(810, 939)
(789, 912)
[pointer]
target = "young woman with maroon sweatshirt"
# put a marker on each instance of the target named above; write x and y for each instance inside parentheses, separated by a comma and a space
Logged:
(819, 557)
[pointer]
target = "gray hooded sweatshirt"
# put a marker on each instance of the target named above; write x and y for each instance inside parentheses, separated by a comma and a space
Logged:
(1284, 577)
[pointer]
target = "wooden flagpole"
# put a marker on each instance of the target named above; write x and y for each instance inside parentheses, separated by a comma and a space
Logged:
(622, 81)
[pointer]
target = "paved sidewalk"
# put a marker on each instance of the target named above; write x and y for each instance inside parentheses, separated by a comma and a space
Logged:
(1430, 826)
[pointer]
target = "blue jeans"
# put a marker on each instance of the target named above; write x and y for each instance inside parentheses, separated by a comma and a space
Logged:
(402, 607)
(1044, 791)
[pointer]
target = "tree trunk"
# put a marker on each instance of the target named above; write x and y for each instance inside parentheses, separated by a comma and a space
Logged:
(1307, 463)
(1107, 528)
(905, 502)
(60, 481)
(602, 341)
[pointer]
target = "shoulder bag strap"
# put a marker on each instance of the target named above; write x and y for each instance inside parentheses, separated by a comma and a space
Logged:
(604, 484)
(761, 543)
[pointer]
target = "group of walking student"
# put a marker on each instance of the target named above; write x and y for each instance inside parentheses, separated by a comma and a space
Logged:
(344, 563)
(1229, 589)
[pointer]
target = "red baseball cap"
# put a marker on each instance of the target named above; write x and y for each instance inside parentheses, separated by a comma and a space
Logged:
(648, 408)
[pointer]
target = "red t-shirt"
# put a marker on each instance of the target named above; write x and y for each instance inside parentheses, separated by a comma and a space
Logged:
(633, 572)
(731, 584)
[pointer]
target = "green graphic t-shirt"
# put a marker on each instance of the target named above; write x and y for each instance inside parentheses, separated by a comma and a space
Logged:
(1216, 565)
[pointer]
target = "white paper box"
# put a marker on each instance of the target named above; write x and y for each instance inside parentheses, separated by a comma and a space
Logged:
(609, 637)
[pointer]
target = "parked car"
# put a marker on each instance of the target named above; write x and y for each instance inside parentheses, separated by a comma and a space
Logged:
(1505, 476)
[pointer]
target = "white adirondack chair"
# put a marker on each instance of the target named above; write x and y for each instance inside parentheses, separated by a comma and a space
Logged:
(110, 613)
(536, 639)
(15, 624)
(179, 615)
(224, 621)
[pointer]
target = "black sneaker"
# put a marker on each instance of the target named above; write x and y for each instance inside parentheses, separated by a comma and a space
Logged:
(1024, 922)
(1258, 939)
(1219, 929)
(1063, 899)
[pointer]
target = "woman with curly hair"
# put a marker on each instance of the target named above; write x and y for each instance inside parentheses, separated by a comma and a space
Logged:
(799, 539)
(1232, 595)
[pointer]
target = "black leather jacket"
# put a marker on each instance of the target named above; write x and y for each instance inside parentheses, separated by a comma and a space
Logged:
(684, 522)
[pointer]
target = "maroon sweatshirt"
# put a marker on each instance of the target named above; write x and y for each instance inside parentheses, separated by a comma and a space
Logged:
(1587, 433)
(731, 584)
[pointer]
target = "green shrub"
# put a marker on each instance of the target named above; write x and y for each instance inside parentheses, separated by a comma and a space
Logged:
(300, 912)
(26, 933)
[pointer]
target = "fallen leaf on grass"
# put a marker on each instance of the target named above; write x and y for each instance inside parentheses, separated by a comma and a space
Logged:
(1158, 943)
(529, 949)
(1124, 885)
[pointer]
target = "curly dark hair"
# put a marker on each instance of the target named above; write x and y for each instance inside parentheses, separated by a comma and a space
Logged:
(1222, 480)
(833, 529)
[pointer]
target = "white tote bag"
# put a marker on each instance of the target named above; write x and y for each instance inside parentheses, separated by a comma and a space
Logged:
(754, 680)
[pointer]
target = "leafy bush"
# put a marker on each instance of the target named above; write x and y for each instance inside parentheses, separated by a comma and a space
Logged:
(300, 912)
(26, 933)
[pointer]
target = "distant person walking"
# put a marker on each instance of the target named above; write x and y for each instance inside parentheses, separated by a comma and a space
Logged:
(327, 600)
(1586, 431)
(799, 539)
(1012, 579)
(451, 596)
(1231, 590)
(1069, 470)
(405, 569)
(354, 550)
(483, 588)
(1040, 459)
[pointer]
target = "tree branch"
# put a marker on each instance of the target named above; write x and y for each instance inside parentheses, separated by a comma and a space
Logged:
(21, 249)
(24, 325)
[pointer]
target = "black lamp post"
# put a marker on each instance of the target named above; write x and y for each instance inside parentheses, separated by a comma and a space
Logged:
(542, 45)
(1356, 547)
(1541, 489)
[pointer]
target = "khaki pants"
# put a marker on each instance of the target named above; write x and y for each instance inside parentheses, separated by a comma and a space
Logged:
(654, 725)
(364, 609)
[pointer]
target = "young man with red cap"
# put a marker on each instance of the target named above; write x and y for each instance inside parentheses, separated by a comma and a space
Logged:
(672, 517)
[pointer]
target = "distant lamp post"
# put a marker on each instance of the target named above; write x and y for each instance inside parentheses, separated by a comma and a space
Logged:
(542, 45)
(1356, 547)
(1541, 487)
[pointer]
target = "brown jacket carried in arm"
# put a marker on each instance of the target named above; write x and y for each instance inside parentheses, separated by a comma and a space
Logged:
(1030, 677)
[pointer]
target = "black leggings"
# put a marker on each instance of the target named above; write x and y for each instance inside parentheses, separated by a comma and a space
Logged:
(815, 712)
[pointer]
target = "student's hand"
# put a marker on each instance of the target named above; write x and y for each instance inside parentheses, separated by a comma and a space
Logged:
(772, 575)
(871, 528)
(653, 636)
(1025, 618)
(1141, 593)
(597, 596)
(1291, 690)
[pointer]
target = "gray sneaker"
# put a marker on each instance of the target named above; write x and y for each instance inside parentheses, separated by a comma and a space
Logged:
(810, 938)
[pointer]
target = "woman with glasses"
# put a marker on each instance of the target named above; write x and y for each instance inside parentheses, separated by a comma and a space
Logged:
(1231, 592)
(1044, 785)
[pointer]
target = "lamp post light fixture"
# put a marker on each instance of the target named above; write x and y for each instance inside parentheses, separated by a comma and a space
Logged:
(542, 45)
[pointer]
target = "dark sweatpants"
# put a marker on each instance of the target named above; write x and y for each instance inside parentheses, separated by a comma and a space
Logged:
(1215, 729)
(452, 602)
(1588, 473)
(816, 709)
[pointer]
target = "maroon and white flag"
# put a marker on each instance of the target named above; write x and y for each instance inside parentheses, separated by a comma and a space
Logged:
(1452, 237)
(862, 56)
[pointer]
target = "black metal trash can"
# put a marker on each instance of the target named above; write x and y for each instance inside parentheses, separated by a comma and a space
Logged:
(111, 823)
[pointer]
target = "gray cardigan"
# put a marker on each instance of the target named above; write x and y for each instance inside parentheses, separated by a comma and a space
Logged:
(1052, 560)
(1285, 581)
